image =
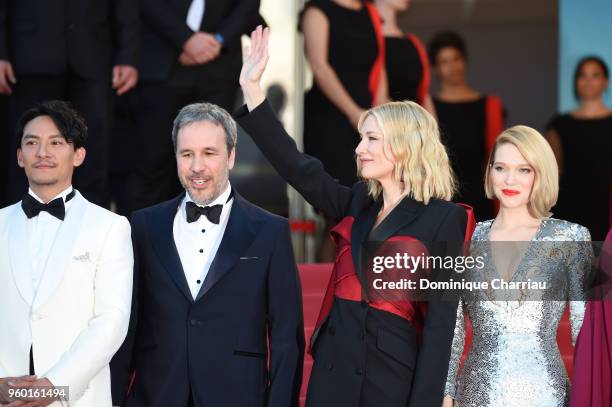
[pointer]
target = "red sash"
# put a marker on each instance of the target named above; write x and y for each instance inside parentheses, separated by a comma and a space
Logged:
(493, 127)
(423, 88)
(376, 71)
(344, 282)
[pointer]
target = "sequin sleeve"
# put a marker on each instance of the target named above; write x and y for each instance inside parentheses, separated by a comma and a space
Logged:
(456, 351)
(579, 273)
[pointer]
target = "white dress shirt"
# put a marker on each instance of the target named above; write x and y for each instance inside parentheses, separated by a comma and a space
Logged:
(195, 15)
(42, 231)
(197, 242)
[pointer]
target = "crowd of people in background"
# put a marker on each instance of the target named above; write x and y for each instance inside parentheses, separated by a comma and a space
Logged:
(158, 56)
(469, 120)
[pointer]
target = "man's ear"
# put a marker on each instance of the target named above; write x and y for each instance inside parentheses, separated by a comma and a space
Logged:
(232, 158)
(79, 156)
(20, 158)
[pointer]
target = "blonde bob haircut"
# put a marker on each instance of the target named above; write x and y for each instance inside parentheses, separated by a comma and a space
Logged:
(411, 136)
(537, 152)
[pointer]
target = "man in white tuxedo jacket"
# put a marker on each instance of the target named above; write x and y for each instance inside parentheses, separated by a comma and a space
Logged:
(66, 270)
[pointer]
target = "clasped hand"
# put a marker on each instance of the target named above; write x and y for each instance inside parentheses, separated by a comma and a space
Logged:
(200, 49)
(8, 385)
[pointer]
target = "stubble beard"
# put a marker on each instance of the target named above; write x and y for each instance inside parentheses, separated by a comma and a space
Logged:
(218, 189)
(43, 183)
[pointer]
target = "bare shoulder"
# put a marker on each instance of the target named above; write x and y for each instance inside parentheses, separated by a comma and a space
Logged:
(313, 14)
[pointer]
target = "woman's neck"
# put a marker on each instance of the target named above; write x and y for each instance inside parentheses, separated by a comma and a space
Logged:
(592, 108)
(389, 17)
(350, 4)
(515, 218)
(458, 91)
(392, 192)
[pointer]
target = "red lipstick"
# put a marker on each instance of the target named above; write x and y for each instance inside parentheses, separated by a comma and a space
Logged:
(510, 192)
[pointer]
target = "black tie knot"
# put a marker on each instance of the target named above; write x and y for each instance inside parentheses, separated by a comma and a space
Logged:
(32, 207)
(213, 212)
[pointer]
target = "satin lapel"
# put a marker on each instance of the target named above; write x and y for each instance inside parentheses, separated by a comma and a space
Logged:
(359, 234)
(19, 253)
(238, 236)
(162, 237)
(400, 217)
(61, 251)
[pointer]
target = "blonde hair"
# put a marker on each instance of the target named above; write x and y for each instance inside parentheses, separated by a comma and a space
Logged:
(536, 150)
(421, 162)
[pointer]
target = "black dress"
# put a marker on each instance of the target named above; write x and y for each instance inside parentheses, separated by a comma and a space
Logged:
(584, 194)
(404, 68)
(463, 127)
(352, 52)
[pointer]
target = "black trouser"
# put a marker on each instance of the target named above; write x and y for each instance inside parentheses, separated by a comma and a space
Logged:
(92, 99)
(154, 106)
(190, 401)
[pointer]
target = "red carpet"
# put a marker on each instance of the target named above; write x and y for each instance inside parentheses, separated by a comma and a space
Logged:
(314, 279)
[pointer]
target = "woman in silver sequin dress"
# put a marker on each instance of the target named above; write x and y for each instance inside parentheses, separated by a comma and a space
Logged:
(514, 360)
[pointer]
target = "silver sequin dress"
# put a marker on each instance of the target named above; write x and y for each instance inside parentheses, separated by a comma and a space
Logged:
(514, 360)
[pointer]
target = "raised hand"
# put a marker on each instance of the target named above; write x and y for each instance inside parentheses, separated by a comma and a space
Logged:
(254, 66)
(256, 59)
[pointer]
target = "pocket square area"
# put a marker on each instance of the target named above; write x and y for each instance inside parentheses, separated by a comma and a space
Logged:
(83, 257)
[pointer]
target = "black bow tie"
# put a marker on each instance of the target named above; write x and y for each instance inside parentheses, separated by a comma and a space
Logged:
(32, 207)
(213, 213)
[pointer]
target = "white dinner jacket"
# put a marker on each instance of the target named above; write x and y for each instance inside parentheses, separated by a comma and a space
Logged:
(80, 314)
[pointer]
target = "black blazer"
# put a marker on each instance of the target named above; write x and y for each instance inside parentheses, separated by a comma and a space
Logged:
(217, 344)
(439, 221)
(165, 31)
(44, 37)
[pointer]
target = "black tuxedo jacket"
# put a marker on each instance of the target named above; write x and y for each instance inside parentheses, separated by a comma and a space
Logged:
(215, 346)
(44, 37)
(404, 373)
(165, 31)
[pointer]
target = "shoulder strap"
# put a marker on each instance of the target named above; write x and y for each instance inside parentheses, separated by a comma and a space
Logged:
(494, 122)
(494, 111)
(376, 71)
(426, 76)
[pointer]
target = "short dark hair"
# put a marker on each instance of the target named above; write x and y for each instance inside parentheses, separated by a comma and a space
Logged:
(67, 120)
(589, 58)
(446, 39)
